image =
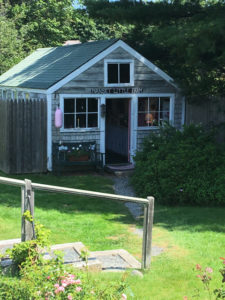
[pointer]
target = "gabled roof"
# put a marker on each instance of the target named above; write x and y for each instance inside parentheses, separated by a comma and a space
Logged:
(46, 66)
(48, 69)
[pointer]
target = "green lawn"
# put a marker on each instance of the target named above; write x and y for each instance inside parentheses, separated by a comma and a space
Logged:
(189, 235)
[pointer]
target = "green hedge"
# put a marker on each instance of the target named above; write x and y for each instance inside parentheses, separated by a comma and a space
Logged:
(181, 167)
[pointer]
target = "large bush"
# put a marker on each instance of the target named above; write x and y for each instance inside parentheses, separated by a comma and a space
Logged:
(181, 167)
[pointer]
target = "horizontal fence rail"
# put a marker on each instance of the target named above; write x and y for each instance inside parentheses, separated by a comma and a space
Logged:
(27, 202)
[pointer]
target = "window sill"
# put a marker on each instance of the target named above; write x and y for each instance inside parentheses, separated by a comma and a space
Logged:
(149, 128)
(115, 85)
(77, 130)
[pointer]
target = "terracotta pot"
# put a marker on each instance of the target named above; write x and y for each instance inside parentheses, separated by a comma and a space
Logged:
(84, 157)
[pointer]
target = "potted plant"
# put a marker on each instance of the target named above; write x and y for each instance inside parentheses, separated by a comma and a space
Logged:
(78, 154)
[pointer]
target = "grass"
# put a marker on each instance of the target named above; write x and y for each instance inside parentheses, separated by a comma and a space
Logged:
(189, 235)
(100, 224)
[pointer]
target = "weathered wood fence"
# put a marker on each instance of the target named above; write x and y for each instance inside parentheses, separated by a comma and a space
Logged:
(28, 189)
(210, 111)
(23, 136)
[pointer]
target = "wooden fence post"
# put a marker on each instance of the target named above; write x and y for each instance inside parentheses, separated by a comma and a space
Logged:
(147, 233)
(27, 203)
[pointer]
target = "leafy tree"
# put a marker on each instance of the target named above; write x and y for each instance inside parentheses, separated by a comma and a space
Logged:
(46, 23)
(11, 40)
(184, 38)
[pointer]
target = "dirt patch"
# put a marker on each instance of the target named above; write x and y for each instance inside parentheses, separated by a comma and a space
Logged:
(116, 237)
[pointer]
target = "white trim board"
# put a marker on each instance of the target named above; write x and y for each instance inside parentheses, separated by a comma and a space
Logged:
(102, 55)
(49, 132)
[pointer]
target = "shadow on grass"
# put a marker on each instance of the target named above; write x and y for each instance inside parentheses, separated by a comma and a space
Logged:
(69, 204)
(192, 219)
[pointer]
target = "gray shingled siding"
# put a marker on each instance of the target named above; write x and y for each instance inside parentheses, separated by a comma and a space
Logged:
(71, 136)
(94, 77)
(178, 111)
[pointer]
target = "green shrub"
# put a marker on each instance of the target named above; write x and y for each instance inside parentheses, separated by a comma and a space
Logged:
(38, 278)
(30, 251)
(181, 167)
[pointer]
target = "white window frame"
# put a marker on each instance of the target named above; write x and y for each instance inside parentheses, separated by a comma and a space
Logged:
(118, 61)
(83, 129)
(171, 109)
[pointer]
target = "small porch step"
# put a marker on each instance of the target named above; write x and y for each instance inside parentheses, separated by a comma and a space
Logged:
(120, 169)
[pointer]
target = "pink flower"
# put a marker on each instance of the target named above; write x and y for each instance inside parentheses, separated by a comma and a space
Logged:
(69, 297)
(56, 285)
(198, 267)
(209, 270)
(123, 297)
(199, 276)
(78, 288)
(64, 284)
(185, 298)
(78, 281)
(59, 289)
(48, 277)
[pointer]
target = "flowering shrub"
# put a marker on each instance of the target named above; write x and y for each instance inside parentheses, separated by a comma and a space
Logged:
(40, 279)
(205, 275)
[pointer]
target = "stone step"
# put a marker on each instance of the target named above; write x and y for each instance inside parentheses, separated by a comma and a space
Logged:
(108, 260)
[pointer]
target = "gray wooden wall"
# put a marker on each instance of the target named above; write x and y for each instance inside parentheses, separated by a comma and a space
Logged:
(94, 77)
(23, 136)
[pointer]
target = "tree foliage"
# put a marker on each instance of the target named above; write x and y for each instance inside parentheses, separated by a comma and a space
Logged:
(185, 38)
(11, 41)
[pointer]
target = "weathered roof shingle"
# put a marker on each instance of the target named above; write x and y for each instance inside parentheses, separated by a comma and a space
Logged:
(46, 66)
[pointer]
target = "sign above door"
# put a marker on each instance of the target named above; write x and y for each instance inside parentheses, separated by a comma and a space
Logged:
(115, 90)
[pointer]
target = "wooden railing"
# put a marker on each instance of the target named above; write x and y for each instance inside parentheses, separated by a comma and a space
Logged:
(28, 189)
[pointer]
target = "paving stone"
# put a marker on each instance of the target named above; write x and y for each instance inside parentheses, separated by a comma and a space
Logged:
(137, 273)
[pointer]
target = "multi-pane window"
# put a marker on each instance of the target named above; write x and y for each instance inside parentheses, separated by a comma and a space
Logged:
(118, 73)
(80, 113)
(153, 111)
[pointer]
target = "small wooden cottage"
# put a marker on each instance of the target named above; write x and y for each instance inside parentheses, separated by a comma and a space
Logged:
(108, 93)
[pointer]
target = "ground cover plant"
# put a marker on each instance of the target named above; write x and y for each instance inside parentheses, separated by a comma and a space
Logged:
(187, 235)
(181, 167)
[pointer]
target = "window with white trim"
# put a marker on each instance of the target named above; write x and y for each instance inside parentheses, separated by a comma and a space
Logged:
(119, 73)
(153, 111)
(80, 113)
